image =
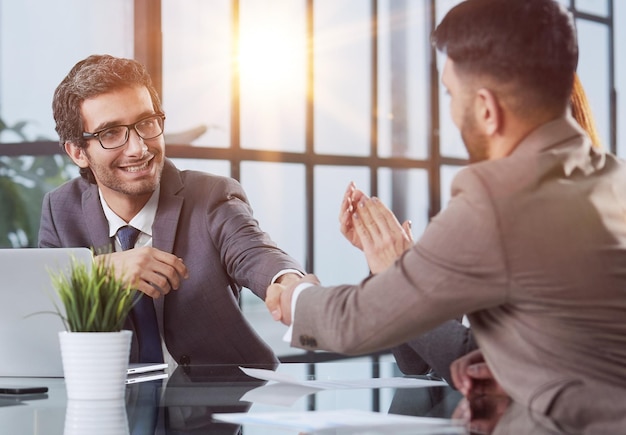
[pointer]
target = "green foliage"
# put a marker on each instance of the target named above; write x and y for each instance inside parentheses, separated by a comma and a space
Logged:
(24, 180)
(95, 300)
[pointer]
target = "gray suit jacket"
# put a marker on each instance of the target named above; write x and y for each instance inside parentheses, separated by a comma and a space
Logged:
(532, 247)
(207, 221)
(435, 350)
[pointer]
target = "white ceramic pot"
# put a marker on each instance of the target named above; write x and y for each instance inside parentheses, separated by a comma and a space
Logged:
(95, 364)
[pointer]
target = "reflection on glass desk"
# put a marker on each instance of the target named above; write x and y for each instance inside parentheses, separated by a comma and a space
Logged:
(185, 401)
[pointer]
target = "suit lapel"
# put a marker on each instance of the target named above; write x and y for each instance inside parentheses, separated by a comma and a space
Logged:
(168, 211)
(95, 220)
(166, 220)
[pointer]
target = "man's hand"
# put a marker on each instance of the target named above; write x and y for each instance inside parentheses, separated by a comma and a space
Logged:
(481, 414)
(381, 235)
(485, 401)
(472, 377)
(348, 206)
(278, 297)
(288, 278)
(148, 269)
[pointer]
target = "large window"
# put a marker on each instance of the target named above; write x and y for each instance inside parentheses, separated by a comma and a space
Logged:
(295, 98)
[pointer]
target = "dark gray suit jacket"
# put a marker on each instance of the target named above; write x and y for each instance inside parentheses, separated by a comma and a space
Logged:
(532, 247)
(435, 350)
(207, 221)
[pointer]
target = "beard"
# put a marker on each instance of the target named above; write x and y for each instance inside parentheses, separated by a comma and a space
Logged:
(475, 141)
(107, 175)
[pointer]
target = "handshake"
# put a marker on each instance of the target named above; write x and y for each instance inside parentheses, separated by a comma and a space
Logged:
(278, 298)
(369, 226)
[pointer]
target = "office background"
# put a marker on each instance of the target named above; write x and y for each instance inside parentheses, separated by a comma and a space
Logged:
(294, 98)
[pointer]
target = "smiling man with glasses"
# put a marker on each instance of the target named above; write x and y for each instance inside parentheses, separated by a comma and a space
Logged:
(196, 243)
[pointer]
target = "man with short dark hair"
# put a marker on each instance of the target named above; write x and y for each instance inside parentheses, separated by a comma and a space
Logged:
(186, 239)
(532, 246)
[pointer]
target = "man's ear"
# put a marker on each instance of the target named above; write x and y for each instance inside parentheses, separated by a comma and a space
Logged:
(488, 111)
(77, 154)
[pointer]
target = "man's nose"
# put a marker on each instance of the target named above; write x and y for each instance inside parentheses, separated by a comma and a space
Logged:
(135, 145)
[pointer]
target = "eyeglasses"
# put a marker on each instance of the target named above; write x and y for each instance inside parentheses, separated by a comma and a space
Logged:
(117, 136)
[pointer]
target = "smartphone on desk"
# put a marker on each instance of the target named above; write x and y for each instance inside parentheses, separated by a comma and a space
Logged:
(19, 390)
(11, 395)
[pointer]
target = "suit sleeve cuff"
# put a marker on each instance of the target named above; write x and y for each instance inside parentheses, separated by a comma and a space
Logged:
(294, 299)
(285, 272)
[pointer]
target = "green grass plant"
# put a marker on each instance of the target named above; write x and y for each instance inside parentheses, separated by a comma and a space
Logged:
(95, 300)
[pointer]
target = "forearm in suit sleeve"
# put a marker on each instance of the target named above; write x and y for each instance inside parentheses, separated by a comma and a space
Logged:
(435, 349)
(449, 272)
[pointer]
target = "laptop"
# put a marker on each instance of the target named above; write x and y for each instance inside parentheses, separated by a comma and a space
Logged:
(29, 325)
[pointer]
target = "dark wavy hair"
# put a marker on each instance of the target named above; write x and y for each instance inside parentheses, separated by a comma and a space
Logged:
(93, 76)
(528, 46)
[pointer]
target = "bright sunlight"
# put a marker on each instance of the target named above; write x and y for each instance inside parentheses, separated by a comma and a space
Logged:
(272, 50)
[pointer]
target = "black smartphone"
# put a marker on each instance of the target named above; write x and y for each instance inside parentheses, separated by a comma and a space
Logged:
(22, 389)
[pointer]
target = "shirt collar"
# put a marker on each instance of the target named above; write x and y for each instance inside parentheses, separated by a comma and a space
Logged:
(142, 221)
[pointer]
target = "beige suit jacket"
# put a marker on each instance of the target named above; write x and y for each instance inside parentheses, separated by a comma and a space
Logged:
(532, 247)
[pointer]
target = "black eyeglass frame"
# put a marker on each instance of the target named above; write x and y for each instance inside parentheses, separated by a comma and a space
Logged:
(96, 134)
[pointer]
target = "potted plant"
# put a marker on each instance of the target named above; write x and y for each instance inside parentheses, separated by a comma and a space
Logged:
(94, 348)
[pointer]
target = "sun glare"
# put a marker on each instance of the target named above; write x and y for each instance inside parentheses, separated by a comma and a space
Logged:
(271, 56)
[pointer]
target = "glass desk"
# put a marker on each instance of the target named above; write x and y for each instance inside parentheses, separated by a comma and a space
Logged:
(185, 402)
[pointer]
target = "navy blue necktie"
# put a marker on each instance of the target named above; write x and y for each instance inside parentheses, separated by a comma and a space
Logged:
(143, 314)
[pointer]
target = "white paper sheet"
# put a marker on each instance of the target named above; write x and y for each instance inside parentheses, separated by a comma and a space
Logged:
(397, 382)
(278, 393)
(284, 390)
(319, 421)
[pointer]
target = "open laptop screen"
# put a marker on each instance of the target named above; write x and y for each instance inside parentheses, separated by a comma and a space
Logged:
(29, 325)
